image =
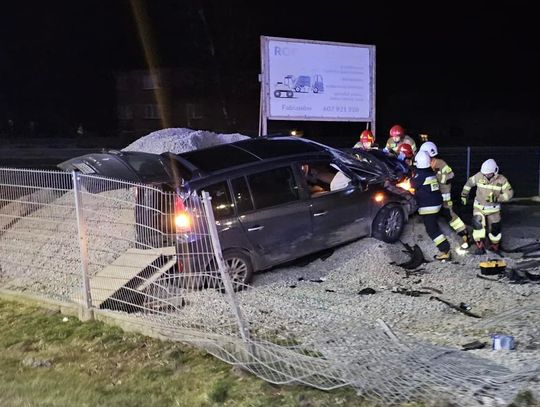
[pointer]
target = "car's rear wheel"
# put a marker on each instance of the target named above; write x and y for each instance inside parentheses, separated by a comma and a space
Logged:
(388, 224)
(239, 268)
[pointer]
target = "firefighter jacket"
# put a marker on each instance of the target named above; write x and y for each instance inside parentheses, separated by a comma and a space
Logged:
(489, 192)
(392, 146)
(444, 175)
(426, 190)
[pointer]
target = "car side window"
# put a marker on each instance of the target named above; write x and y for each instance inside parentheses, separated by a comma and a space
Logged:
(274, 187)
(241, 194)
(323, 176)
(221, 200)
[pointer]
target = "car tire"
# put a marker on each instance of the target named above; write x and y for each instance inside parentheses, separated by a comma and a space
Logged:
(388, 224)
(277, 93)
(240, 268)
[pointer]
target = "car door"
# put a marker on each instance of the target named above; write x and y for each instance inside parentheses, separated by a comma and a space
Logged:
(275, 220)
(342, 211)
(231, 234)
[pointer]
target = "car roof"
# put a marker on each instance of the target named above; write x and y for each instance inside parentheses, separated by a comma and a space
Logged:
(225, 156)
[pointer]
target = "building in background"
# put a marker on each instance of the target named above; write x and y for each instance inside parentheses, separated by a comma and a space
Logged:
(148, 101)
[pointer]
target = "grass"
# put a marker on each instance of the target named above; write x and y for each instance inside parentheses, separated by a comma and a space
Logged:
(51, 360)
(47, 359)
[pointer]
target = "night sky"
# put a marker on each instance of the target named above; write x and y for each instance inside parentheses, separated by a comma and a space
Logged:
(466, 70)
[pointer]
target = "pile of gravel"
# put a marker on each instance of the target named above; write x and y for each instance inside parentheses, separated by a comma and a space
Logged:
(179, 140)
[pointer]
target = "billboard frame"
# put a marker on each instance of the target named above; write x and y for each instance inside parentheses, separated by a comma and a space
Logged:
(264, 79)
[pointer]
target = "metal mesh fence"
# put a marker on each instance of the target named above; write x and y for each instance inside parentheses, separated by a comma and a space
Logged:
(521, 165)
(39, 249)
(127, 251)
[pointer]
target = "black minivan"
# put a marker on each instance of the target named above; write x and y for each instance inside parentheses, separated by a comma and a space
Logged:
(275, 199)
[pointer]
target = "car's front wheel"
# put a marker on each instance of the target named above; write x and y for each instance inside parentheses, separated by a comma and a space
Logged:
(389, 223)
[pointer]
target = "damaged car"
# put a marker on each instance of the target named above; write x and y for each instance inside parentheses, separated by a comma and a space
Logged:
(275, 199)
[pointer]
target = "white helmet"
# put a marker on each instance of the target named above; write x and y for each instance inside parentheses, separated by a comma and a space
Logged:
(422, 160)
(430, 148)
(489, 167)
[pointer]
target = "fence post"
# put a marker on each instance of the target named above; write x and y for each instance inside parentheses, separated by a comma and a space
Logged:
(83, 246)
(468, 161)
(216, 245)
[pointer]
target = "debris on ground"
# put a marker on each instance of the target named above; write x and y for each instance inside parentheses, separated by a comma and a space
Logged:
(409, 292)
(417, 257)
(474, 345)
(456, 307)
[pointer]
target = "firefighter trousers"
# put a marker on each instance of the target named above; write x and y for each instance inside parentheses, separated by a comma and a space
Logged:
(490, 220)
(452, 218)
(434, 231)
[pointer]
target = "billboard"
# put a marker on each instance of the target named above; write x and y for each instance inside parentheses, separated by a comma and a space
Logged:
(315, 80)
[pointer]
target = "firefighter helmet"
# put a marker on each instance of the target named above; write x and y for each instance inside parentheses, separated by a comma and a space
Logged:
(430, 148)
(397, 131)
(367, 137)
(406, 150)
(489, 167)
(422, 160)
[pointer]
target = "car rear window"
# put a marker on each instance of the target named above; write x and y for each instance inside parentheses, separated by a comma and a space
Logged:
(221, 200)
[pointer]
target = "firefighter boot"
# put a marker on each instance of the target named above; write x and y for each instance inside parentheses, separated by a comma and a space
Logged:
(466, 239)
(480, 249)
(442, 256)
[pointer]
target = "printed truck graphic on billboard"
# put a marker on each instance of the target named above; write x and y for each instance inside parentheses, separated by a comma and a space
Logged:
(298, 84)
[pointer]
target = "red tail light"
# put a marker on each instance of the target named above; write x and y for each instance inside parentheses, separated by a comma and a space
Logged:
(182, 218)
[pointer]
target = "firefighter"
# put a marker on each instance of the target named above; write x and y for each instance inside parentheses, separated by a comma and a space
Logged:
(492, 188)
(398, 136)
(444, 176)
(367, 141)
(405, 153)
(429, 199)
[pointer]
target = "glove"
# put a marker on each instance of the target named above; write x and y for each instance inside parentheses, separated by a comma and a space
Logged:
(401, 157)
(385, 150)
(464, 200)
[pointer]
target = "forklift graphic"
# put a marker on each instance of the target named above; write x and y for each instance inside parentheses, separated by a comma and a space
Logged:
(298, 84)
